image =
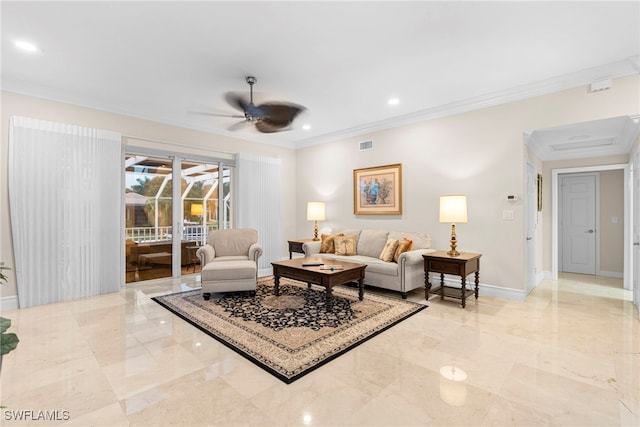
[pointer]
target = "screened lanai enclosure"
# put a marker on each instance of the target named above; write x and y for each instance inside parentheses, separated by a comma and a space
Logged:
(152, 235)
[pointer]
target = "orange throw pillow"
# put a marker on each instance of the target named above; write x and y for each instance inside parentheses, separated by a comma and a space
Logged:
(403, 246)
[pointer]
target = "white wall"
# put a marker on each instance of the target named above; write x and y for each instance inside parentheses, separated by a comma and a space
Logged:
(14, 104)
(479, 153)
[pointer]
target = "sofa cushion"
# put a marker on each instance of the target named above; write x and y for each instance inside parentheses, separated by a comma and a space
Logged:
(375, 265)
(371, 242)
(230, 270)
(389, 250)
(345, 245)
(328, 246)
(420, 240)
(351, 232)
(404, 245)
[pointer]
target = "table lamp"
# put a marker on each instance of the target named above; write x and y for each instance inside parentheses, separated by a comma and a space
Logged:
(315, 213)
(197, 209)
(453, 208)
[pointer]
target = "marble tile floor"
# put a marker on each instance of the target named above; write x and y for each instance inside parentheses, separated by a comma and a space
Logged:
(567, 356)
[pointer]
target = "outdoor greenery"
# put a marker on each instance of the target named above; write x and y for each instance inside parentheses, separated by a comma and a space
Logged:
(149, 187)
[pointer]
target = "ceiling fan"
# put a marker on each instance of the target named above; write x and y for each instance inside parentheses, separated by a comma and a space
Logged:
(269, 117)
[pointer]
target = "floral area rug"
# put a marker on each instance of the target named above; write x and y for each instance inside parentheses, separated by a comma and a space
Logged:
(292, 334)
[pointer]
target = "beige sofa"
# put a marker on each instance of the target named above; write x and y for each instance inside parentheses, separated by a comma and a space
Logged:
(403, 276)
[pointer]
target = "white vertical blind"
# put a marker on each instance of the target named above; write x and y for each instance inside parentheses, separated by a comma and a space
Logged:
(259, 202)
(65, 196)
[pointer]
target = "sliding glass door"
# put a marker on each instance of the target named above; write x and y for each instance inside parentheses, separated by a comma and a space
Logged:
(164, 227)
(148, 217)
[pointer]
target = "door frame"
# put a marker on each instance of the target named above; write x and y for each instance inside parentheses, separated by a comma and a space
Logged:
(176, 157)
(627, 217)
(531, 214)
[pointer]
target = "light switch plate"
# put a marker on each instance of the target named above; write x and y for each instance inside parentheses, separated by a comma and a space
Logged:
(507, 215)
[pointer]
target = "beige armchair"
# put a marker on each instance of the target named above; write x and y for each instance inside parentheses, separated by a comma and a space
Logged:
(229, 261)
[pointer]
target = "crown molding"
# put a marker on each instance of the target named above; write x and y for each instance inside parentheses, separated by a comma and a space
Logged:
(623, 68)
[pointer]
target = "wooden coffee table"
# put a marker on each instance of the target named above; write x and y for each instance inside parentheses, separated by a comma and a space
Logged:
(293, 269)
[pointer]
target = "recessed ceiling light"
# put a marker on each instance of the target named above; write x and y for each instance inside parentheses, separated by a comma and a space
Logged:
(393, 101)
(306, 126)
(26, 46)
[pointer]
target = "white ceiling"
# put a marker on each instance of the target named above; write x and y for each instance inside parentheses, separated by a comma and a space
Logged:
(172, 61)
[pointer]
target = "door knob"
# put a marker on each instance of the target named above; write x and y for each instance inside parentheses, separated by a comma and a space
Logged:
(589, 231)
(636, 243)
(529, 238)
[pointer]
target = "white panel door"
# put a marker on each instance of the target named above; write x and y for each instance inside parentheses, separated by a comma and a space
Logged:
(578, 223)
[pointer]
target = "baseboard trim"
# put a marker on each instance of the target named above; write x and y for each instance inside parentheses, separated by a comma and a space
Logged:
(9, 303)
(614, 274)
(491, 290)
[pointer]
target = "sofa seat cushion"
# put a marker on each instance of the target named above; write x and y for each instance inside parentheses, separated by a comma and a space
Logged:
(229, 270)
(374, 265)
(230, 258)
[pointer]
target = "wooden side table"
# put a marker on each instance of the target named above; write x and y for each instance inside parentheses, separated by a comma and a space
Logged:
(296, 246)
(461, 265)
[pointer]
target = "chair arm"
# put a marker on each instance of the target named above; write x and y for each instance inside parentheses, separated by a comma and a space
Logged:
(255, 252)
(206, 253)
(310, 248)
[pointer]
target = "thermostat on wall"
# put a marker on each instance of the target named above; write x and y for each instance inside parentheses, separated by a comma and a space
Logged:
(512, 198)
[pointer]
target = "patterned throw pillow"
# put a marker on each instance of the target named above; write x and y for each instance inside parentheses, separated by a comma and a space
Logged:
(345, 245)
(327, 245)
(403, 246)
(389, 250)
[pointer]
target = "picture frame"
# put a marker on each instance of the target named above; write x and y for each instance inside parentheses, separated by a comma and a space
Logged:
(539, 193)
(378, 190)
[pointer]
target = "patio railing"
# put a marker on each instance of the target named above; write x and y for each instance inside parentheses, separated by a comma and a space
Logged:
(193, 233)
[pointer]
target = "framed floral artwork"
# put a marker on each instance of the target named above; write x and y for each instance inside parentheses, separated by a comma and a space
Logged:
(378, 190)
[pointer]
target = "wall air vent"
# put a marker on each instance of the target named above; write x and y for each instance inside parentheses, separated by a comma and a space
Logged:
(366, 145)
(601, 85)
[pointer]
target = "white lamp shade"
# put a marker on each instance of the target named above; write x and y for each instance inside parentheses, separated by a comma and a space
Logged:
(315, 211)
(453, 208)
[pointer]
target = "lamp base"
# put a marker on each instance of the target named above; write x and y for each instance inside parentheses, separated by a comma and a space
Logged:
(315, 231)
(453, 242)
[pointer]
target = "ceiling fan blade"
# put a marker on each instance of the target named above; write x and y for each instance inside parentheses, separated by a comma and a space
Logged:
(281, 113)
(237, 101)
(266, 126)
(239, 125)
(233, 116)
